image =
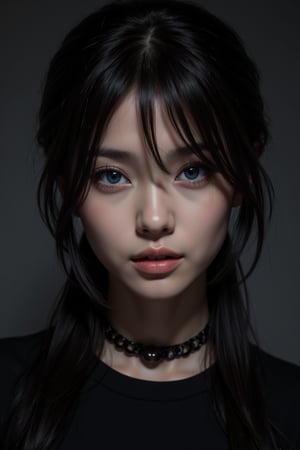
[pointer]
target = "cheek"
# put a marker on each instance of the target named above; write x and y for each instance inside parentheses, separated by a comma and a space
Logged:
(211, 213)
(207, 225)
(101, 223)
(216, 216)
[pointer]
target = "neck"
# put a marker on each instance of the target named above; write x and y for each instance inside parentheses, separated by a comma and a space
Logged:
(147, 320)
(158, 321)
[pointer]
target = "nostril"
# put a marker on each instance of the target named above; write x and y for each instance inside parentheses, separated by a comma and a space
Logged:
(150, 224)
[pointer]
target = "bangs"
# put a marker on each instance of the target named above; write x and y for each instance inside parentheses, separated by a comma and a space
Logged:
(183, 100)
(187, 89)
(185, 103)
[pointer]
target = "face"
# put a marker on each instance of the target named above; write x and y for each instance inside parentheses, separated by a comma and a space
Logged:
(133, 206)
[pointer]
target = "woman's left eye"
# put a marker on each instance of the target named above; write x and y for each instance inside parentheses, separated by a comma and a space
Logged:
(193, 173)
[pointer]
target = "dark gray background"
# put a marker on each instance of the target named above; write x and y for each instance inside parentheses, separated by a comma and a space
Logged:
(30, 32)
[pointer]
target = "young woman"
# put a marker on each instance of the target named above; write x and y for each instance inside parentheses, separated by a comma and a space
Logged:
(152, 123)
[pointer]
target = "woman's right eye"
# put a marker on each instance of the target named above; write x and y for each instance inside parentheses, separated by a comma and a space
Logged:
(109, 178)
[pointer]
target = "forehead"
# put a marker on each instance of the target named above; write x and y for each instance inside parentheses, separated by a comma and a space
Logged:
(125, 129)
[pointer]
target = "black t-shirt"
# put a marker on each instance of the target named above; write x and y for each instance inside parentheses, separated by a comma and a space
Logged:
(120, 412)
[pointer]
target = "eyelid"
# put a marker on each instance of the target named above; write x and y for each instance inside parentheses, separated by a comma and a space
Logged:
(194, 183)
(195, 164)
(108, 168)
(106, 186)
(114, 187)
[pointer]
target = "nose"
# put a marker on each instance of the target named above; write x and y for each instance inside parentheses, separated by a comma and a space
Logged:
(155, 217)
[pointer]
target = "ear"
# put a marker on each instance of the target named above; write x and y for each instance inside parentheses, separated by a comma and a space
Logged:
(60, 184)
(237, 199)
(61, 187)
(238, 196)
(257, 147)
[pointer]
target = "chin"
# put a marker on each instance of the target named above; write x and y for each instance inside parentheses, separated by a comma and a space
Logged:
(159, 289)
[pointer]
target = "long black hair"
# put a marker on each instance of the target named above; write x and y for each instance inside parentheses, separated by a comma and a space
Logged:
(198, 67)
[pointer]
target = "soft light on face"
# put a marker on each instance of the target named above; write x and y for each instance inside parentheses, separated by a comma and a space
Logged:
(133, 205)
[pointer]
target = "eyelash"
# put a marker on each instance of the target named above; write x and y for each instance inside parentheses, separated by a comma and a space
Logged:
(105, 170)
(206, 173)
(113, 187)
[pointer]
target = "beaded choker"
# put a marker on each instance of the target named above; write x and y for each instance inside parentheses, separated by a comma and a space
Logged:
(154, 353)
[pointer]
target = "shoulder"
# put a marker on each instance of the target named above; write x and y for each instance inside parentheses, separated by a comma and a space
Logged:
(278, 374)
(281, 389)
(17, 354)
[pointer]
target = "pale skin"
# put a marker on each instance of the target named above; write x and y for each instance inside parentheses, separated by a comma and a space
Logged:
(134, 205)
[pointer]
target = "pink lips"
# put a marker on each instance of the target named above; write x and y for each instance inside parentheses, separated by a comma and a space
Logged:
(156, 261)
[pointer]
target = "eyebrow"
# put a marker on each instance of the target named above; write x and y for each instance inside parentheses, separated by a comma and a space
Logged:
(172, 156)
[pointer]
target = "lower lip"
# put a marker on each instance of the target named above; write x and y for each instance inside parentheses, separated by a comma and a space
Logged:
(157, 266)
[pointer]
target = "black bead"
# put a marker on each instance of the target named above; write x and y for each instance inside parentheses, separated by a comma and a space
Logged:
(120, 341)
(179, 350)
(151, 354)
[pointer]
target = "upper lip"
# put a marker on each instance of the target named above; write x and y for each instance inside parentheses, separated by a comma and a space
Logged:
(155, 253)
